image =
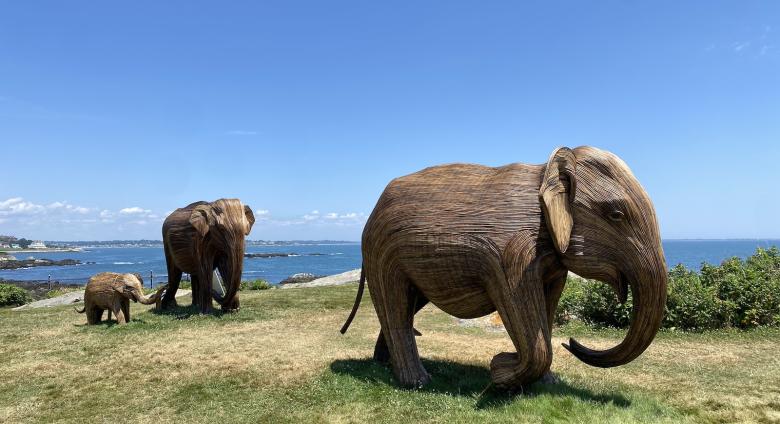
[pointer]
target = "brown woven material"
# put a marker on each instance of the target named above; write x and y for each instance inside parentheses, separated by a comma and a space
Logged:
(200, 238)
(473, 239)
(112, 292)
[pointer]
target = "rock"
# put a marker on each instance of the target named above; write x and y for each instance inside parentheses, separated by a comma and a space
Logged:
(268, 255)
(70, 298)
(333, 280)
(303, 277)
(28, 263)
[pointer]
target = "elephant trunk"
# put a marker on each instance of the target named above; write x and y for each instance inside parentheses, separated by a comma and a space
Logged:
(649, 299)
(231, 269)
(153, 299)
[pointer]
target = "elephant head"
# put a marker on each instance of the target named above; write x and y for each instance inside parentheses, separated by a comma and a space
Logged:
(224, 224)
(603, 226)
(132, 288)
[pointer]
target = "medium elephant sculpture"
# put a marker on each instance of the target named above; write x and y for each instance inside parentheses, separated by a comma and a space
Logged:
(112, 292)
(200, 238)
(472, 240)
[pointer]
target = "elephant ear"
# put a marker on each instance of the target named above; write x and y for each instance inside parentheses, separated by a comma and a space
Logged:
(202, 218)
(250, 219)
(556, 195)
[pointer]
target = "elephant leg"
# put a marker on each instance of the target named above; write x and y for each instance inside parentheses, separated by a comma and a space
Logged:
(108, 314)
(93, 314)
(204, 295)
(120, 315)
(394, 299)
(126, 309)
(381, 351)
(195, 284)
(522, 308)
(174, 278)
(553, 289)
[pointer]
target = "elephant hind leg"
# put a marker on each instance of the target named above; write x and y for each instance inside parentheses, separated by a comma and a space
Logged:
(381, 351)
(174, 278)
(94, 315)
(396, 301)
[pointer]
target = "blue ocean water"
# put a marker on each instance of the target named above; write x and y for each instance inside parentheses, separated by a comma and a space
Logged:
(320, 259)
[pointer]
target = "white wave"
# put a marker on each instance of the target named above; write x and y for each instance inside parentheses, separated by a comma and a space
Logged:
(124, 263)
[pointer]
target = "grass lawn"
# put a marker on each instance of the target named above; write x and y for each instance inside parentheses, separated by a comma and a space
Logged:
(281, 359)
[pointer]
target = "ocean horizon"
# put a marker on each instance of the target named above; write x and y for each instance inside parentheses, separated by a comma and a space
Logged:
(323, 257)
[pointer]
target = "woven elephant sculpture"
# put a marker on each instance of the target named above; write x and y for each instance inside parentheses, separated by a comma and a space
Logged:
(112, 292)
(473, 239)
(200, 238)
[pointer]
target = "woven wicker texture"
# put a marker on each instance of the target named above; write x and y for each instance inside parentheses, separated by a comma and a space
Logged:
(473, 239)
(200, 238)
(112, 292)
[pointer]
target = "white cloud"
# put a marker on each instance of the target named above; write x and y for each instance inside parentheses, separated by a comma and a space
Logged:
(135, 210)
(739, 46)
(18, 206)
(62, 220)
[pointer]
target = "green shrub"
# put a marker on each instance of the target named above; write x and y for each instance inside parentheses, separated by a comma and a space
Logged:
(739, 294)
(690, 303)
(255, 285)
(13, 296)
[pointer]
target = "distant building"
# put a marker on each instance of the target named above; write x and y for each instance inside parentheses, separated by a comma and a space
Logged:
(37, 245)
(5, 246)
(15, 246)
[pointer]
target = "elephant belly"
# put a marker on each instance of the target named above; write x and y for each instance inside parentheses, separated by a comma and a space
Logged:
(454, 277)
(462, 302)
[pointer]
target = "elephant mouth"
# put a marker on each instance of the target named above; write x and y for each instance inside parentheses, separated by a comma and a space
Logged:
(620, 285)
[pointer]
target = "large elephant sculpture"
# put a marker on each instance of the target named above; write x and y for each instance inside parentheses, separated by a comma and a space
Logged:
(473, 239)
(200, 238)
(112, 292)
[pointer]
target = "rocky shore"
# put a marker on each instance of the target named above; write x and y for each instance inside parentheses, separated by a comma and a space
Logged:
(331, 280)
(39, 289)
(278, 255)
(29, 263)
(303, 277)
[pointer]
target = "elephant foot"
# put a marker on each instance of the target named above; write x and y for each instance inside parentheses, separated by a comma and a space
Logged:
(414, 378)
(381, 352)
(503, 370)
(549, 378)
(507, 372)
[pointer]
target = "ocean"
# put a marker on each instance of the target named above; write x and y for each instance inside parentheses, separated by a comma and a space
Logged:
(319, 259)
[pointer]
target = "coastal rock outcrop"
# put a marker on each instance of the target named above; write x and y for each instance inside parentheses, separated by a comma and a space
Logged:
(29, 263)
(303, 277)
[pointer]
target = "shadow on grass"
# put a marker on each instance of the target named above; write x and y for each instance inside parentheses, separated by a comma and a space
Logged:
(184, 312)
(457, 379)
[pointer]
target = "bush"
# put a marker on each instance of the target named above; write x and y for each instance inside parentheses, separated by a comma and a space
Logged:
(255, 285)
(690, 304)
(13, 296)
(739, 294)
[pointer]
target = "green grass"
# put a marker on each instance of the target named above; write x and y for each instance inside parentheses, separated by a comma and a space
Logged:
(281, 359)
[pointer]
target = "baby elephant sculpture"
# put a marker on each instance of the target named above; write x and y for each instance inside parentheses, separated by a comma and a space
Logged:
(113, 292)
(200, 238)
(472, 240)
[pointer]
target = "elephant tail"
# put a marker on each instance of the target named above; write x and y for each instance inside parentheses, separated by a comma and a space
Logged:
(359, 296)
(82, 309)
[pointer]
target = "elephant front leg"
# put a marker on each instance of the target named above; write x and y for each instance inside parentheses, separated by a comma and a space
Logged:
(119, 313)
(523, 310)
(204, 292)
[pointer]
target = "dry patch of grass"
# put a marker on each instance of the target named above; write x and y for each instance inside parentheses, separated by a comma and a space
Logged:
(281, 359)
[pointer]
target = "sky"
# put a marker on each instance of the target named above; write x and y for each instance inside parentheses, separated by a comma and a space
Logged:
(113, 114)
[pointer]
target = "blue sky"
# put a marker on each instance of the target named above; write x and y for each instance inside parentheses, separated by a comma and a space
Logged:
(114, 113)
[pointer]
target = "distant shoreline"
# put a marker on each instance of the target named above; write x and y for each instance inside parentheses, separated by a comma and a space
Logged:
(47, 250)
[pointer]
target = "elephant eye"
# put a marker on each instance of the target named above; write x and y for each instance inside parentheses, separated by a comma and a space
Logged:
(616, 216)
